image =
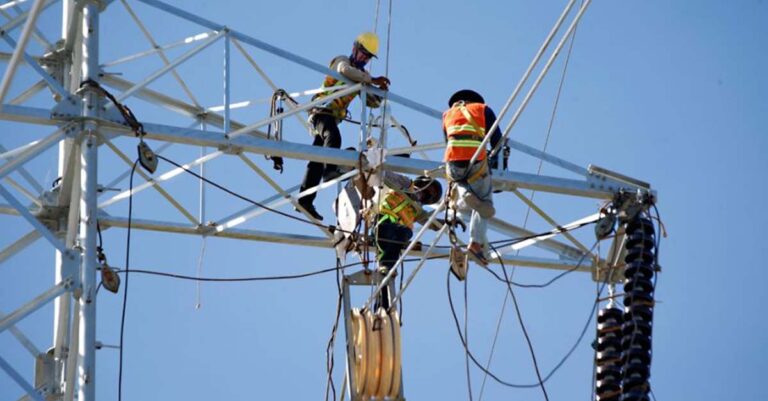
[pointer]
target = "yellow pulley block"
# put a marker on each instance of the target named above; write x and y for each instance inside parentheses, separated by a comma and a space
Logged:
(376, 353)
(396, 361)
(359, 349)
(384, 326)
(373, 356)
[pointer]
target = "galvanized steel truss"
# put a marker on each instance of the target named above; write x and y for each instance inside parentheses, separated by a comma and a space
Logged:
(66, 216)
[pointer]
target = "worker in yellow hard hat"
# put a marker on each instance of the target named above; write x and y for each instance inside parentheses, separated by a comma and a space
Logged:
(326, 117)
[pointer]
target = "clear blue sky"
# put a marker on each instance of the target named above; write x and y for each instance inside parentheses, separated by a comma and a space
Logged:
(672, 93)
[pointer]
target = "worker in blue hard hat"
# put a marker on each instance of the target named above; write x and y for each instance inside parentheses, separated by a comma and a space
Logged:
(325, 118)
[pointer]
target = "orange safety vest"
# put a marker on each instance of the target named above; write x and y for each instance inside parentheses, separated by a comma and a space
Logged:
(464, 125)
(398, 208)
(338, 106)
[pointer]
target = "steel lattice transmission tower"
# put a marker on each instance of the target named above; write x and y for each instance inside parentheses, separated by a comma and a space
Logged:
(85, 123)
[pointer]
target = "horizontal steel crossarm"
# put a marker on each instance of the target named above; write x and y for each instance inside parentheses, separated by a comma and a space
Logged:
(182, 228)
(23, 339)
(25, 114)
(554, 160)
(504, 180)
(34, 221)
(285, 54)
(19, 245)
(313, 241)
(19, 379)
(35, 304)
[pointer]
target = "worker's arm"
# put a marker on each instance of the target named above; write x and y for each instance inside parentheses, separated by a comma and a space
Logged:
(343, 66)
(490, 119)
(396, 181)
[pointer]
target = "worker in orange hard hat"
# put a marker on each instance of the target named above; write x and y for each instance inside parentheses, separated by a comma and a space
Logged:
(465, 125)
(326, 117)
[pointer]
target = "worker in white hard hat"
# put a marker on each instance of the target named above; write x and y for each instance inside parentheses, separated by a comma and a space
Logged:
(325, 119)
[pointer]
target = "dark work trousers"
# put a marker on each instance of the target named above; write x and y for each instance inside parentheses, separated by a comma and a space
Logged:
(391, 239)
(328, 136)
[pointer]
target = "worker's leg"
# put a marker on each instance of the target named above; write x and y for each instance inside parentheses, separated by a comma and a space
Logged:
(478, 225)
(391, 240)
(327, 135)
(332, 139)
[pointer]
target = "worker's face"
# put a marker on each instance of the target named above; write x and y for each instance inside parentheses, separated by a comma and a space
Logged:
(360, 56)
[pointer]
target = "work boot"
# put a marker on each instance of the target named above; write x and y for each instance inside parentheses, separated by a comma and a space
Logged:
(310, 208)
(483, 207)
(476, 253)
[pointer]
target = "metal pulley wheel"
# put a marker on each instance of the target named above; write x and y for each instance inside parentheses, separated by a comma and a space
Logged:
(376, 353)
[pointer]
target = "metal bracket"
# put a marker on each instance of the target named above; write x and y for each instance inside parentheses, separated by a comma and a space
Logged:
(231, 149)
(67, 109)
(364, 277)
(603, 179)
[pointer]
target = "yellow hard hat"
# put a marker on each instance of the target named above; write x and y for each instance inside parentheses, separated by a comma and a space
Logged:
(369, 41)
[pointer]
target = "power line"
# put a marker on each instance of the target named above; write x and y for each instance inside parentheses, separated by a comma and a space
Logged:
(522, 326)
(554, 370)
(125, 288)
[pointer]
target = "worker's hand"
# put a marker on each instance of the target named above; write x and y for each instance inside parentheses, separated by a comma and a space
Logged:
(382, 82)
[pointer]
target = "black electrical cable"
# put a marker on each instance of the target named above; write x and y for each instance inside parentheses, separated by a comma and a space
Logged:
(522, 326)
(125, 286)
(466, 336)
(554, 369)
(334, 228)
(552, 280)
(261, 278)
(330, 385)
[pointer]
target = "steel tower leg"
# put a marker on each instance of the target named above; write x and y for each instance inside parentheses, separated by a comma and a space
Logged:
(88, 206)
(63, 304)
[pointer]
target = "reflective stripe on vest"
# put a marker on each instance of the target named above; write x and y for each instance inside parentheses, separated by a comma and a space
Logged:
(464, 125)
(398, 208)
(338, 106)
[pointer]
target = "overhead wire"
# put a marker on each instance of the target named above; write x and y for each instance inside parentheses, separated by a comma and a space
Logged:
(525, 331)
(554, 370)
(533, 193)
(504, 242)
(125, 286)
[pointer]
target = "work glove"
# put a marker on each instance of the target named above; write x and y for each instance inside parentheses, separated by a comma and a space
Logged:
(382, 82)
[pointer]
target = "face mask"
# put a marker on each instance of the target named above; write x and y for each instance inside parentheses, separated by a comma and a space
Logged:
(355, 62)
